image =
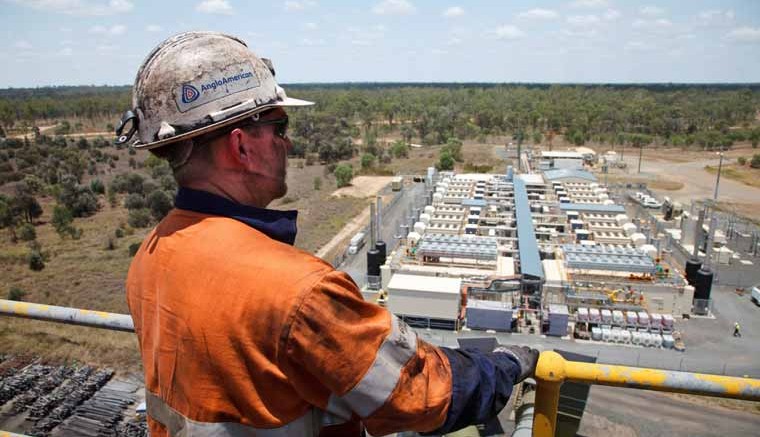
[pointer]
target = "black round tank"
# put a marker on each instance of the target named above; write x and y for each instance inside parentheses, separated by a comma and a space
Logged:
(703, 284)
(692, 267)
(373, 262)
(381, 248)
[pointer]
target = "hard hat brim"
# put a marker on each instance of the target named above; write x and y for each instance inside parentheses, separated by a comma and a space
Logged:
(286, 102)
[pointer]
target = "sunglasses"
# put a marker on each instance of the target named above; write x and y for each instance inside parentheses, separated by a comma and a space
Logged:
(280, 124)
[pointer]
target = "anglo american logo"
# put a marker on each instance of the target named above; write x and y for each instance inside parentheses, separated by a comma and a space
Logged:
(225, 80)
(189, 93)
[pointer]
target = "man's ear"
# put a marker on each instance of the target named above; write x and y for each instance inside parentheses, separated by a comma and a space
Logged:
(236, 147)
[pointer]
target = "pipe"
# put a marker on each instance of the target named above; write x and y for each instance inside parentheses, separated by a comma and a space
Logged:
(372, 225)
(71, 316)
(698, 233)
(552, 370)
(524, 415)
(379, 218)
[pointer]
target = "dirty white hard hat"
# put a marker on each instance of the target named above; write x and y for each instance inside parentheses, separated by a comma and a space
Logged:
(197, 82)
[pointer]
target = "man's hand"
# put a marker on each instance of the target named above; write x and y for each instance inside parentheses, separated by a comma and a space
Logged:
(525, 356)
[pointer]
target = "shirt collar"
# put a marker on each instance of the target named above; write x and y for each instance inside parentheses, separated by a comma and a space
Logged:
(279, 225)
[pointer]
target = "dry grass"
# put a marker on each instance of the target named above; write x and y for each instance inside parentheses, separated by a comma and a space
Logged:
(744, 174)
(657, 183)
(731, 404)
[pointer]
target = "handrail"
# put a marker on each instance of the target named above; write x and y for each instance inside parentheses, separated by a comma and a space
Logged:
(553, 370)
(71, 316)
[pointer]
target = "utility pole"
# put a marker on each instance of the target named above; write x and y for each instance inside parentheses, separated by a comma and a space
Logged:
(717, 180)
(641, 152)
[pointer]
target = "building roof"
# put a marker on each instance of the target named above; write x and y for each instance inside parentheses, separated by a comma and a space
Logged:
(561, 154)
(531, 178)
(429, 284)
(613, 258)
(474, 202)
(567, 173)
(591, 207)
(530, 261)
(456, 246)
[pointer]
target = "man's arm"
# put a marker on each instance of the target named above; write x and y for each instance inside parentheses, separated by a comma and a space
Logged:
(347, 356)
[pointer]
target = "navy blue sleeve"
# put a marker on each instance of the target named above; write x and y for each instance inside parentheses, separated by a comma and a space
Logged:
(481, 386)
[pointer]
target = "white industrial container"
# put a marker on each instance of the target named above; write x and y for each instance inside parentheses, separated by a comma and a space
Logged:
(636, 337)
(638, 239)
(582, 314)
(631, 319)
(606, 334)
(629, 228)
(622, 219)
(656, 340)
(655, 320)
(425, 218)
(617, 318)
(413, 238)
(596, 333)
(643, 319)
(649, 249)
(430, 209)
(424, 296)
(420, 227)
(625, 336)
(667, 341)
(606, 316)
(646, 339)
(615, 335)
(667, 321)
(608, 202)
(437, 198)
(593, 315)
(603, 196)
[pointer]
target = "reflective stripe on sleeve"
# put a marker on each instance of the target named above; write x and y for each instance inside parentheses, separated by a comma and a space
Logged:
(382, 377)
(178, 425)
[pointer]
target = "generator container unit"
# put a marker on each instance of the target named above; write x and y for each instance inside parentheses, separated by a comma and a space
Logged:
(636, 337)
(631, 318)
(622, 219)
(596, 333)
(692, 267)
(629, 228)
(625, 336)
(615, 336)
(606, 316)
(573, 215)
(582, 235)
(617, 318)
(638, 239)
(429, 210)
(667, 321)
(656, 340)
(655, 321)
(594, 316)
(488, 315)
(646, 339)
(606, 334)
(558, 319)
(576, 224)
(582, 315)
(643, 319)
(667, 341)
(425, 218)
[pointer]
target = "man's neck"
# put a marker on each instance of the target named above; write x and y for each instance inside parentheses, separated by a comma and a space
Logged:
(230, 192)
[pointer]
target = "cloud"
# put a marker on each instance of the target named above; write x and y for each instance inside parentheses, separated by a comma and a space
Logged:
(153, 28)
(538, 14)
(582, 33)
(293, 6)
(716, 17)
(454, 11)
(22, 45)
(312, 42)
(652, 11)
(360, 42)
(589, 3)
(310, 26)
(394, 7)
(582, 20)
(638, 46)
(744, 34)
(214, 7)
(439, 52)
(454, 41)
(611, 14)
(66, 51)
(506, 32)
(79, 7)
(660, 23)
(115, 30)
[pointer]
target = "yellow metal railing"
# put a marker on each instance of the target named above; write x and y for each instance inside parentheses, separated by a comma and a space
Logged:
(553, 370)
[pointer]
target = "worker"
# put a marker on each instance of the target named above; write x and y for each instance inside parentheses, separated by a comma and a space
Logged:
(239, 331)
(737, 330)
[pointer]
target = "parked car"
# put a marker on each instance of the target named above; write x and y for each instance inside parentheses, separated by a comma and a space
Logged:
(756, 294)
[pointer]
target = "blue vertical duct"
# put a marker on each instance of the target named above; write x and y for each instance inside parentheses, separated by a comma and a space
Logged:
(530, 260)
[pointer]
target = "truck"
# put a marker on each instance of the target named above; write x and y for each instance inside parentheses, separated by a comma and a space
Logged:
(356, 243)
(397, 183)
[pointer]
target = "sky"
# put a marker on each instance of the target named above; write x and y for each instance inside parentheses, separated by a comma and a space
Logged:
(103, 42)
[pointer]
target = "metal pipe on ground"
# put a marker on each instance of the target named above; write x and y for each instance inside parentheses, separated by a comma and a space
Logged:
(524, 415)
(71, 316)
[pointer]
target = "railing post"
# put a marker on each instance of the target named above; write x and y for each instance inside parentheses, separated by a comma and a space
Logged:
(550, 374)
